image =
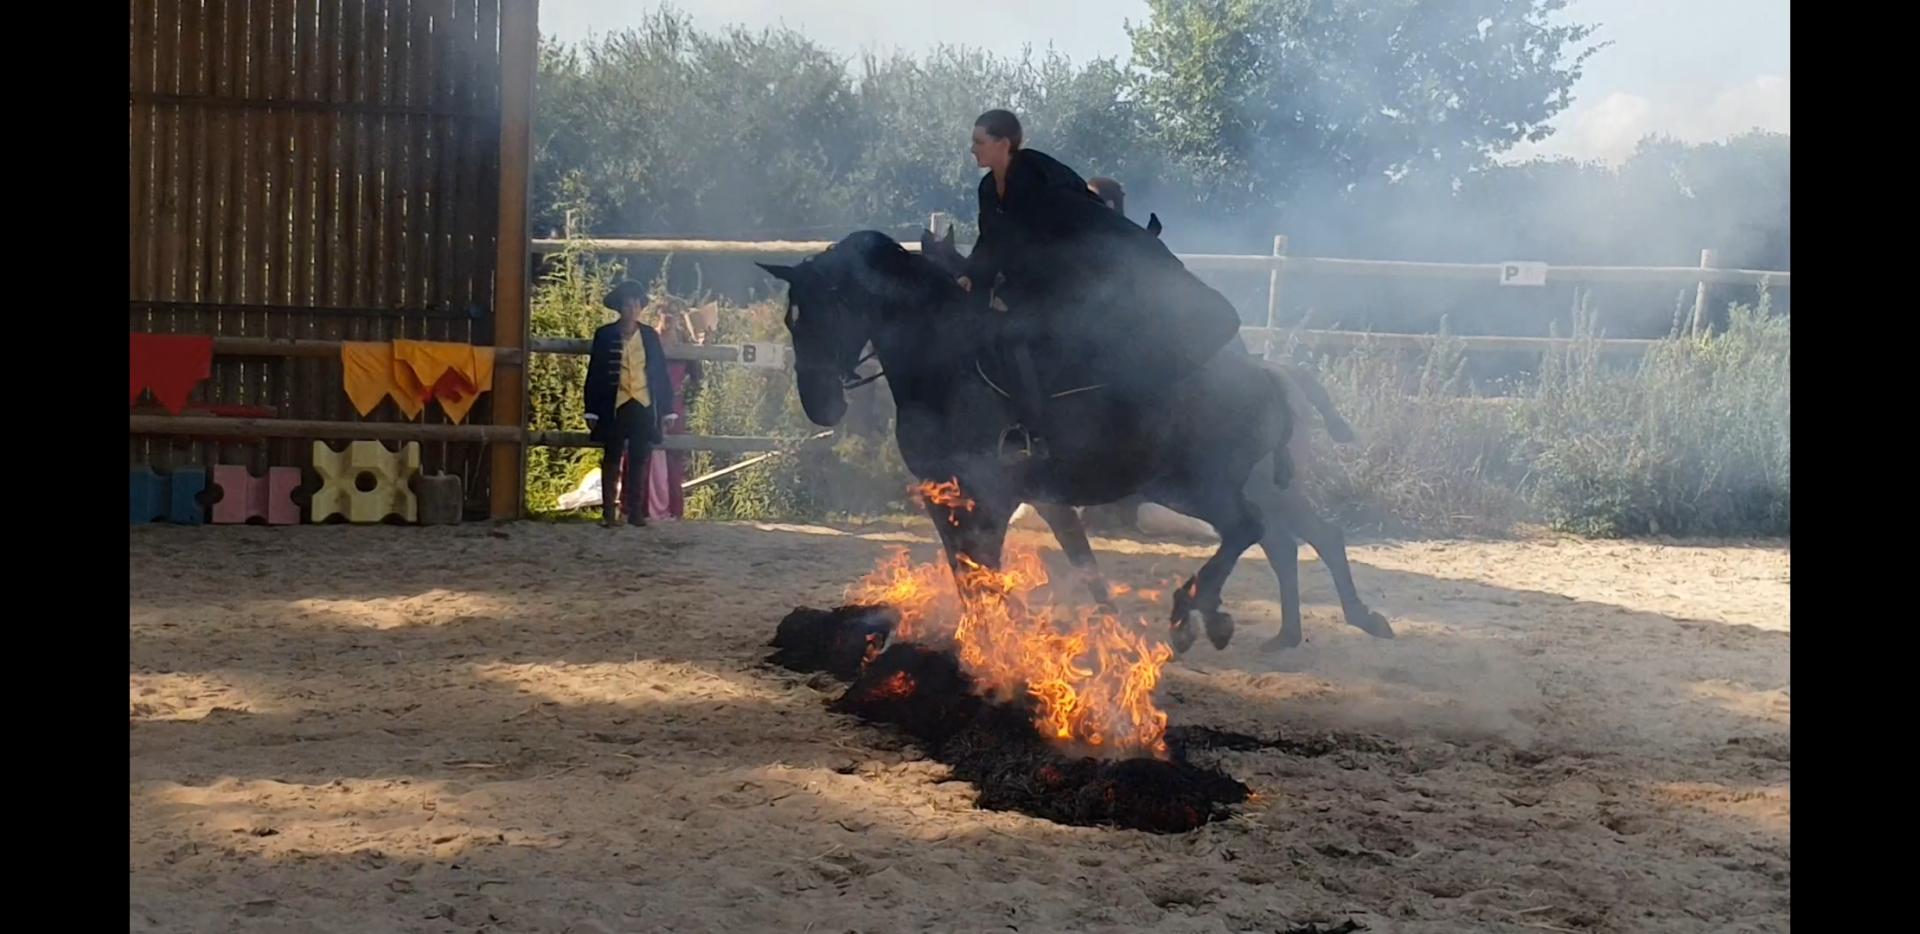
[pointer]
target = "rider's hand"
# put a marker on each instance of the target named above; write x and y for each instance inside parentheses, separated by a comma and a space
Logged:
(966, 284)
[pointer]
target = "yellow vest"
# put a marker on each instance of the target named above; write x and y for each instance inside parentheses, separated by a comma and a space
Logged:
(633, 372)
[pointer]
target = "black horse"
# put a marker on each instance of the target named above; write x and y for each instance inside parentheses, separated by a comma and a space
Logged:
(1285, 508)
(1191, 448)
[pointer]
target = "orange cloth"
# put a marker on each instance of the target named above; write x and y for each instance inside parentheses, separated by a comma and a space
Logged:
(367, 370)
(414, 373)
(459, 391)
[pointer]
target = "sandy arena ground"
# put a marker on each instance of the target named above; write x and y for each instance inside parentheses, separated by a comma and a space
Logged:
(561, 728)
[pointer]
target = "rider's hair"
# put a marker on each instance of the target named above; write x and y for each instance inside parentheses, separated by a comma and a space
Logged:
(1001, 124)
(1109, 190)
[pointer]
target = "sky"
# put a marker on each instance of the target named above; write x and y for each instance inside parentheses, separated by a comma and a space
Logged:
(1696, 70)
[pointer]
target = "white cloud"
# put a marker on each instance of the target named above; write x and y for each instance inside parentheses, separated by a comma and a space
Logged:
(1608, 129)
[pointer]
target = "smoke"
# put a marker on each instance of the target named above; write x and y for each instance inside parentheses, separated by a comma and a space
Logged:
(1360, 147)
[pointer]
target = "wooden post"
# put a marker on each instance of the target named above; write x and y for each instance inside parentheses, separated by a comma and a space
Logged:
(519, 53)
(1702, 315)
(1273, 293)
(937, 222)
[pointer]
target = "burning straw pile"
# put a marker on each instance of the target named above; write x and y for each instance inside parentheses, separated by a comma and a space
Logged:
(1046, 714)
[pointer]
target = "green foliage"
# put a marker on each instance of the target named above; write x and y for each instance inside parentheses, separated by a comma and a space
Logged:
(1693, 440)
(566, 303)
(1266, 97)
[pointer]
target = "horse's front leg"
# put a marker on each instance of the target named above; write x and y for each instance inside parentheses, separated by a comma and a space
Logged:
(1071, 533)
(970, 525)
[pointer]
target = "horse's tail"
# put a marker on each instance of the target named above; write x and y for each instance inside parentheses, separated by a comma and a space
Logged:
(1316, 394)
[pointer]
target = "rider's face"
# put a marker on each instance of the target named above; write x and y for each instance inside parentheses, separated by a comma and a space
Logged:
(989, 152)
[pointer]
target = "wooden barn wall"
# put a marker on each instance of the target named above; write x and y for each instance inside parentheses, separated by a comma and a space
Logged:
(320, 169)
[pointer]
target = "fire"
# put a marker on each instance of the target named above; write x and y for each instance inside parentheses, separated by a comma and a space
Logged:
(1091, 676)
(946, 494)
(897, 685)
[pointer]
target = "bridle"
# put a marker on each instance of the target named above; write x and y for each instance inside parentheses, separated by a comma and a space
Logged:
(848, 375)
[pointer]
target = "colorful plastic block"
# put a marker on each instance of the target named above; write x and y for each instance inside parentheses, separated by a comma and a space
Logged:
(173, 497)
(366, 482)
(245, 497)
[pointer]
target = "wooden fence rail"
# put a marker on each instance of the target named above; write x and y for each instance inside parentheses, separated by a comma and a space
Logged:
(1279, 265)
(1491, 273)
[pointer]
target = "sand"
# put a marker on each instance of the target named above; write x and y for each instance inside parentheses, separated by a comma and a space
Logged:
(565, 728)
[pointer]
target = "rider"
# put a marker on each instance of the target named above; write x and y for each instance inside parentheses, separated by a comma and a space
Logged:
(1108, 190)
(1051, 247)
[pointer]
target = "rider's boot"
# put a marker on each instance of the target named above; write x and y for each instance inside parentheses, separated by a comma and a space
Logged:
(1027, 439)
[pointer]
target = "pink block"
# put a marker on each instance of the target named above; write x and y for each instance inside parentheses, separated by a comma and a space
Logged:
(281, 482)
(244, 497)
(236, 495)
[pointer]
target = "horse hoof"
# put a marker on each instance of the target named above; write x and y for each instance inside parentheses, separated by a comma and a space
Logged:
(1375, 625)
(1284, 640)
(1219, 629)
(1185, 632)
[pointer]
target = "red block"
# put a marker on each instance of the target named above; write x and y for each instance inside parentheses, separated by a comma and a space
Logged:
(244, 497)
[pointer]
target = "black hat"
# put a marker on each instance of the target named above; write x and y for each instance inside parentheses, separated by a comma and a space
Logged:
(628, 290)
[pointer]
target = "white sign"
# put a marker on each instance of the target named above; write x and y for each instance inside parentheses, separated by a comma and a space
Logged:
(763, 355)
(1523, 273)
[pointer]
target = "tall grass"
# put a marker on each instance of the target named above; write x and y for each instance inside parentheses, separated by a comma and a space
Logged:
(1694, 439)
(566, 303)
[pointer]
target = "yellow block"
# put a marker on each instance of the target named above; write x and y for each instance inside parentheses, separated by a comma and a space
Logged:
(366, 463)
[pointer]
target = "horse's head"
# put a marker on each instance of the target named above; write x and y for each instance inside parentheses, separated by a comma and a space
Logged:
(834, 298)
(827, 337)
(865, 287)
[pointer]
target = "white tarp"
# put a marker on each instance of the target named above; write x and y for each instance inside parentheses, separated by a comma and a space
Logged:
(586, 494)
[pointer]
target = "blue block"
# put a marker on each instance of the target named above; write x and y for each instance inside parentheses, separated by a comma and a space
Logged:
(146, 495)
(173, 497)
(183, 505)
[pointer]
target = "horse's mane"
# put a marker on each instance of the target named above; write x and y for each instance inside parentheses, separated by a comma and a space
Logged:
(865, 252)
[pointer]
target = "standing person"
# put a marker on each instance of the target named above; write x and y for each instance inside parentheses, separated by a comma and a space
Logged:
(627, 391)
(665, 500)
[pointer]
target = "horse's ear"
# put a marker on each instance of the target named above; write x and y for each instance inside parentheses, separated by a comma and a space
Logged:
(1153, 224)
(782, 273)
(948, 237)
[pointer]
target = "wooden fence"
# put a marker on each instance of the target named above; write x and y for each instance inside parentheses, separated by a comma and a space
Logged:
(1280, 266)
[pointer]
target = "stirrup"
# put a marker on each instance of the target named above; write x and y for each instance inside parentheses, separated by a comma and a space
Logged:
(1031, 447)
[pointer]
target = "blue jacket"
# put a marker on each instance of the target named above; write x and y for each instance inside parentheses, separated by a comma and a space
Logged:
(603, 378)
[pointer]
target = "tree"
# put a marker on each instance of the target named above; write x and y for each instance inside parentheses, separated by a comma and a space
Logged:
(1275, 103)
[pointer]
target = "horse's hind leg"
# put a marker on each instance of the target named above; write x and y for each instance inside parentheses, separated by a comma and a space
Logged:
(1283, 555)
(1331, 544)
(1072, 535)
(1197, 601)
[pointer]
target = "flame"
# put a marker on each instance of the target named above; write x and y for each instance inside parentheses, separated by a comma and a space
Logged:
(897, 685)
(1090, 675)
(946, 494)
